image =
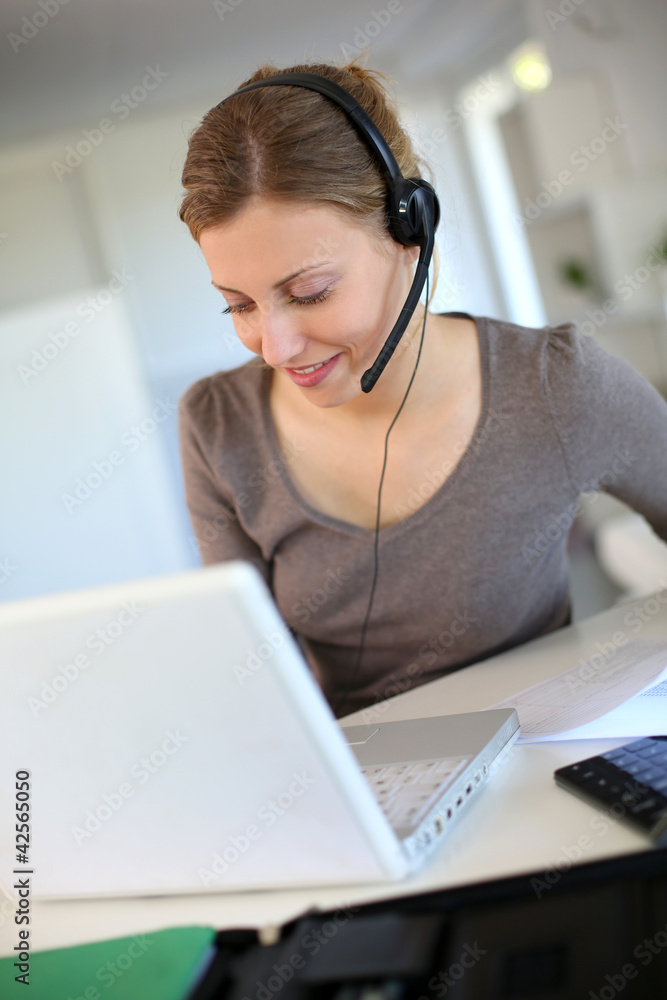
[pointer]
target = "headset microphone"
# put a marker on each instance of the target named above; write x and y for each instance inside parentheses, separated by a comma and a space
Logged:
(413, 211)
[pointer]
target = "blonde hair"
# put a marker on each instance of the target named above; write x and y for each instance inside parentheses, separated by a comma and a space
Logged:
(293, 144)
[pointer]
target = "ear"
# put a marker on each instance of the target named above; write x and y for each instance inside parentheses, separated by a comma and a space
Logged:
(413, 253)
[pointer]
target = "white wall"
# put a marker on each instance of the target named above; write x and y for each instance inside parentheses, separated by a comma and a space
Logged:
(623, 44)
(85, 497)
(466, 278)
(77, 383)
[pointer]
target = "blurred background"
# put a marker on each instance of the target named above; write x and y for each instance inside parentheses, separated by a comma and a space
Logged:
(545, 127)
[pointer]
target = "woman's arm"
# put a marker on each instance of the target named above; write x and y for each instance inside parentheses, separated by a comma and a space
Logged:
(611, 423)
(213, 511)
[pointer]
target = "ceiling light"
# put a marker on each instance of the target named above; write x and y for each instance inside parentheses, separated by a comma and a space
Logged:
(530, 67)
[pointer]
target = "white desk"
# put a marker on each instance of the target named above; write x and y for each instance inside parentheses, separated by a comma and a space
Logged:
(520, 823)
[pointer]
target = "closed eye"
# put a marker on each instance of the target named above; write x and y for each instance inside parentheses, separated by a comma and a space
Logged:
(305, 300)
(309, 300)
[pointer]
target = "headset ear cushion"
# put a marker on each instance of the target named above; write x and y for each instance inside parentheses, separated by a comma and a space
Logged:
(404, 213)
(413, 198)
(425, 193)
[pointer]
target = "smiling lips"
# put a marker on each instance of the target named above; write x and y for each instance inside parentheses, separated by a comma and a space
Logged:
(307, 371)
(313, 374)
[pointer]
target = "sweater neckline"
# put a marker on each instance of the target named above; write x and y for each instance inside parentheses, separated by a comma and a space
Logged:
(440, 496)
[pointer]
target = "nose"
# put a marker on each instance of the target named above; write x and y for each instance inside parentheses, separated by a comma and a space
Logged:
(281, 339)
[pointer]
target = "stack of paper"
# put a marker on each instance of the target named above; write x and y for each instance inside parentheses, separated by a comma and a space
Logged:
(622, 693)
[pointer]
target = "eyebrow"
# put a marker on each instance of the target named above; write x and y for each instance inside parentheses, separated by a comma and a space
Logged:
(278, 284)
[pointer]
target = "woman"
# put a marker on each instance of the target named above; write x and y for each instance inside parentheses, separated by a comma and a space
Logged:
(502, 429)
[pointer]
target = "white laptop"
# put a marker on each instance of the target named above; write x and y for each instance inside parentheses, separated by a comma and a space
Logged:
(177, 742)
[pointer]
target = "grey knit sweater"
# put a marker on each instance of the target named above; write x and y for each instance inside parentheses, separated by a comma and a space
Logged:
(481, 565)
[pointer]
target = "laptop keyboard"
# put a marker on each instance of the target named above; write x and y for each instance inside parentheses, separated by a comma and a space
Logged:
(406, 792)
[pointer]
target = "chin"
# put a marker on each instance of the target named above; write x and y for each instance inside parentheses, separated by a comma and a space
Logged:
(327, 400)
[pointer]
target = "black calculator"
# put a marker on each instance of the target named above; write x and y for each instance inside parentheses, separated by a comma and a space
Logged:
(630, 782)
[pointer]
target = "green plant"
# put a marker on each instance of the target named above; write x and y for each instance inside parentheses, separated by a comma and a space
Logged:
(577, 273)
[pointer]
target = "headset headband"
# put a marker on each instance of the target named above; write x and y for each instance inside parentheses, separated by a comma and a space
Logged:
(367, 127)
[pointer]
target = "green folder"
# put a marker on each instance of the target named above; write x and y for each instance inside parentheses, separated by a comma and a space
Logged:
(163, 965)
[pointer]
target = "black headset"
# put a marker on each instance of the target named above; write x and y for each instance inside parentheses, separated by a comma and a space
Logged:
(413, 210)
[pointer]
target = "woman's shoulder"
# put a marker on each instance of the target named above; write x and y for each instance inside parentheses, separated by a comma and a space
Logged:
(584, 384)
(529, 340)
(517, 342)
(575, 374)
(559, 353)
(226, 393)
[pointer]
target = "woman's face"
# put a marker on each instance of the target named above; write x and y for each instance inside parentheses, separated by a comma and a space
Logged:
(311, 292)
